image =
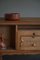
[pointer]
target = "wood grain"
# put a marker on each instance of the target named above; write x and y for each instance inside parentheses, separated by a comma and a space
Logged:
(12, 52)
(22, 21)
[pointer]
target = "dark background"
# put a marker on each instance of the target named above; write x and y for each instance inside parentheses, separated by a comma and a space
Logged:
(21, 57)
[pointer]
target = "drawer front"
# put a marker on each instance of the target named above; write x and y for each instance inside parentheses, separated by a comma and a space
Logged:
(29, 43)
(29, 40)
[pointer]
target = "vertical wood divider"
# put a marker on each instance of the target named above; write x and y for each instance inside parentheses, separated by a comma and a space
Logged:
(16, 38)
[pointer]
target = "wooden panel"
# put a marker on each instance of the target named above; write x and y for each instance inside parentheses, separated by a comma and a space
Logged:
(28, 32)
(29, 43)
(29, 39)
(30, 27)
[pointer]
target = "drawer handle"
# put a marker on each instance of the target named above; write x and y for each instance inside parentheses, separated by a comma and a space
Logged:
(33, 44)
(21, 42)
(33, 35)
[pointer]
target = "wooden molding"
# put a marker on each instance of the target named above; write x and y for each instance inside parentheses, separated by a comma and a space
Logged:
(12, 52)
(25, 21)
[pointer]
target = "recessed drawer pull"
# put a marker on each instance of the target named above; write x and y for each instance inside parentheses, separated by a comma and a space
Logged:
(21, 42)
(33, 35)
(33, 44)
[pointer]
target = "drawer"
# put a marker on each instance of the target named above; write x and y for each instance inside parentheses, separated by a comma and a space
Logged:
(29, 43)
(29, 39)
(29, 32)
